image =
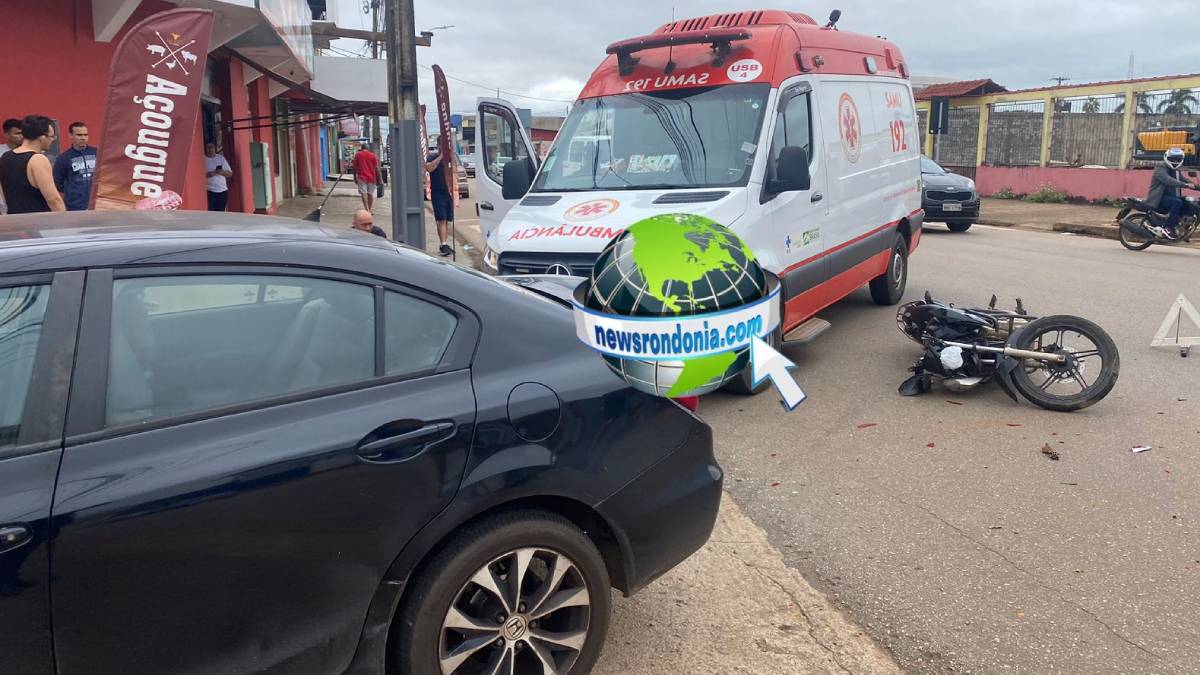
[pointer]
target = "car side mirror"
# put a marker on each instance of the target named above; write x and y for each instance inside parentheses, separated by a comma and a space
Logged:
(518, 177)
(791, 172)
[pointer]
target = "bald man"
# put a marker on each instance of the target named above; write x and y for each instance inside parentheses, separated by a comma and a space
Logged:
(363, 220)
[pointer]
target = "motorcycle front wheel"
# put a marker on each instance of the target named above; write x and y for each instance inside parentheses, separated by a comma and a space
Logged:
(1132, 241)
(1087, 375)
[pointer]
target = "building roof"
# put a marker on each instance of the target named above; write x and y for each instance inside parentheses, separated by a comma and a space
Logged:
(957, 89)
(1137, 80)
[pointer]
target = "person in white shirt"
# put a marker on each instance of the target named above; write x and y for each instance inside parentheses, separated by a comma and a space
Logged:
(216, 171)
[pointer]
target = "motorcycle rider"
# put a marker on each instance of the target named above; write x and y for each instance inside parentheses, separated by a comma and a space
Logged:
(1164, 194)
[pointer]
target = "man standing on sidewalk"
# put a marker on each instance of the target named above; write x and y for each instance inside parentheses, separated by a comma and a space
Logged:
(366, 175)
(443, 202)
(73, 169)
(216, 171)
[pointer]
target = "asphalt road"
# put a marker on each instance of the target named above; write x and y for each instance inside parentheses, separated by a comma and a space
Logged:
(943, 529)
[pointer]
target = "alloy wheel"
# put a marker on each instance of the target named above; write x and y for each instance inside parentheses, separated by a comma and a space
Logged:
(524, 612)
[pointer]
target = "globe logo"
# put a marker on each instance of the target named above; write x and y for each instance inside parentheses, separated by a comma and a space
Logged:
(672, 304)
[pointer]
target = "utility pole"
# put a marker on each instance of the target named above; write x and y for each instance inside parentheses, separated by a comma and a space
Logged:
(408, 209)
(373, 120)
(1060, 80)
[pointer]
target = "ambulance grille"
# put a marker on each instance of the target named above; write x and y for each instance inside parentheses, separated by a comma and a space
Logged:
(691, 197)
(540, 200)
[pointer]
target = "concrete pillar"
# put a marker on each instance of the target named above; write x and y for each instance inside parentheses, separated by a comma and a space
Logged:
(1047, 127)
(235, 109)
(1127, 128)
(981, 144)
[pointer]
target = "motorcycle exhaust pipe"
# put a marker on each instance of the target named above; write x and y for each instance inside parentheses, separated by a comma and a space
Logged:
(1009, 351)
(1137, 229)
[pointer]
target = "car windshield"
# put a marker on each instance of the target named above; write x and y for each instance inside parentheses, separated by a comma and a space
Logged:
(930, 166)
(684, 138)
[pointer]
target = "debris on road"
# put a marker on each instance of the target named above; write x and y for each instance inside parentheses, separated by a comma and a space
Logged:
(1140, 448)
(931, 445)
(953, 402)
(1011, 424)
(1049, 453)
(867, 425)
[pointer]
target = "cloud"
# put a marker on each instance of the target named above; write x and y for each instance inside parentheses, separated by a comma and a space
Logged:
(538, 49)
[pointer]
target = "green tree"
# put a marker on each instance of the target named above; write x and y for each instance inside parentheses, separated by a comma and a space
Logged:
(1141, 103)
(1180, 102)
(1091, 105)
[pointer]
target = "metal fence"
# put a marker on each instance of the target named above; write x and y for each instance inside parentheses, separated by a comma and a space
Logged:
(1086, 131)
(1014, 134)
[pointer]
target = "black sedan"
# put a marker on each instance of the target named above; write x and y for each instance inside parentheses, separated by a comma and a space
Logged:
(235, 443)
(948, 198)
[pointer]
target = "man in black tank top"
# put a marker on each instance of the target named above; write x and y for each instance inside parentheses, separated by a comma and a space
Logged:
(26, 177)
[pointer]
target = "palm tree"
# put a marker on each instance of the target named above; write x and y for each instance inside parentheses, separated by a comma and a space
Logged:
(1142, 103)
(1180, 102)
(1091, 105)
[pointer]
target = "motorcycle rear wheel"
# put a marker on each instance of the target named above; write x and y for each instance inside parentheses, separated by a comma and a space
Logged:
(1130, 240)
(1050, 333)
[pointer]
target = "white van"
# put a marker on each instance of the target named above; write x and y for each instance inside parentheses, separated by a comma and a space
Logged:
(801, 138)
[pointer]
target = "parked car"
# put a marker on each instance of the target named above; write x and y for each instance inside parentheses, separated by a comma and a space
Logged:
(470, 167)
(257, 444)
(948, 197)
(464, 190)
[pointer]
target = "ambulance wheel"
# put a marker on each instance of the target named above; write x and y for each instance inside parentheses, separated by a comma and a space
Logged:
(888, 288)
(743, 384)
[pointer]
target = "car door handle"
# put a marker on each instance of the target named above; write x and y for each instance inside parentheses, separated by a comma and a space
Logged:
(13, 536)
(816, 197)
(487, 206)
(402, 446)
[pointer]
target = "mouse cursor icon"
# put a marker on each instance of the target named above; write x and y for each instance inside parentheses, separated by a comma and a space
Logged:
(766, 362)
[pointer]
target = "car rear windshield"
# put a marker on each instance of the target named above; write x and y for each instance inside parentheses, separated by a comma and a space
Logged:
(683, 138)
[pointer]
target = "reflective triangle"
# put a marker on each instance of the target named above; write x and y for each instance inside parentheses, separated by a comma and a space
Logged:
(1172, 331)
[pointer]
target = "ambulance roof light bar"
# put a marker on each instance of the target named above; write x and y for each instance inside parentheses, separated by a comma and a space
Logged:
(721, 40)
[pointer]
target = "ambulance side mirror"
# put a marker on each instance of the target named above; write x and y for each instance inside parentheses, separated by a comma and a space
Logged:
(518, 177)
(791, 173)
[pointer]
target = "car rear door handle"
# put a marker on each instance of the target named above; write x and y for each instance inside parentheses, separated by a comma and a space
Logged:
(487, 206)
(406, 445)
(13, 536)
(816, 197)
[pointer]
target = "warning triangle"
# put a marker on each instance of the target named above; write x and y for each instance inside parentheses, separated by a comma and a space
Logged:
(1172, 332)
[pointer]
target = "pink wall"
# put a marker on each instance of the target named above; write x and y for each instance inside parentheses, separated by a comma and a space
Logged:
(1092, 184)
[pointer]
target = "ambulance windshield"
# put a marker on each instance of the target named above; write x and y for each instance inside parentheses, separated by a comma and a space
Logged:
(682, 138)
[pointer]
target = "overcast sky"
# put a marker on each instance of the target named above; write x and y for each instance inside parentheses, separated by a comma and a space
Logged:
(545, 49)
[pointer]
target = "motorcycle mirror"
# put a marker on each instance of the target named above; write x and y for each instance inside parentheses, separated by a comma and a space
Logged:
(928, 297)
(1020, 307)
(992, 304)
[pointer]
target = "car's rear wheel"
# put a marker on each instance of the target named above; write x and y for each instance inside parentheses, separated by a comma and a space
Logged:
(524, 592)
(888, 288)
(959, 227)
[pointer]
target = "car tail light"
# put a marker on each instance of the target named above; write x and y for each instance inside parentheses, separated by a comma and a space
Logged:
(690, 402)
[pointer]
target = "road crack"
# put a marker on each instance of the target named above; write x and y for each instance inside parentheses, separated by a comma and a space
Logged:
(800, 607)
(1031, 576)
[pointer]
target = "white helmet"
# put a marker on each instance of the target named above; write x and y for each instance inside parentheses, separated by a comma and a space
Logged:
(1173, 157)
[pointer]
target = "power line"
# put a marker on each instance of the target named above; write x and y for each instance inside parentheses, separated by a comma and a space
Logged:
(503, 91)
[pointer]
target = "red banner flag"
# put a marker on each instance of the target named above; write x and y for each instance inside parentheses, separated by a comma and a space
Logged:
(150, 114)
(445, 139)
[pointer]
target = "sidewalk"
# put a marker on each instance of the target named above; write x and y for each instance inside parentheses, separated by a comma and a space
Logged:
(344, 201)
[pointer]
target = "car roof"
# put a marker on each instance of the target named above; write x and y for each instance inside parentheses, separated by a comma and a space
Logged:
(45, 241)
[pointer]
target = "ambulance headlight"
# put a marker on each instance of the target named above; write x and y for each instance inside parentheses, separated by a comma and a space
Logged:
(491, 259)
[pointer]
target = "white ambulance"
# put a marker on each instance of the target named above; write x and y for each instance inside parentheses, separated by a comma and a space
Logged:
(799, 137)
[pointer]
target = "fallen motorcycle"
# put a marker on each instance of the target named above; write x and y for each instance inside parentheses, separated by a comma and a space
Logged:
(1060, 362)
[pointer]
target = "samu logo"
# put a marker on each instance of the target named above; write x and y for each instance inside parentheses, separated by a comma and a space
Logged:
(597, 208)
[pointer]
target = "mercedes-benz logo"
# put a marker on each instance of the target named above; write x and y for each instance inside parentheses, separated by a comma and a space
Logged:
(559, 269)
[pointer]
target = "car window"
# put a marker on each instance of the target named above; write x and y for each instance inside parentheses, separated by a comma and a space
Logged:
(22, 309)
(418, 333)
(189, 343)
(930, 166)
(502, 143)
(793, 128)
